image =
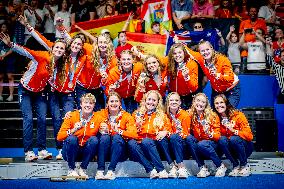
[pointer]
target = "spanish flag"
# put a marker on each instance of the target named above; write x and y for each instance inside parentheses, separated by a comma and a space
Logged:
(148, 43)
(157, 11)
(114, 24)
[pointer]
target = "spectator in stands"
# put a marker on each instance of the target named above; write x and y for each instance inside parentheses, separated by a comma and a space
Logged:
(7, 65)
(203, 9)
(64, 14)
(278, 69)
(252, 23)
(82, 11)
(110, 11)
(267, 12)
(256, 51)
(278, 44)
(101, 9)
(78, 133)
(181, 124)
(240, 10)
(15, 9)
(49, 10)
(234, 53)
(218, 70)
(3, 13)
(181, 12)
(123, 7)
(225, 9)
(117, 127)
(153, 127)
(236, 136)
(155, 27)
(122, 44)
(34, 16)
(205, 125)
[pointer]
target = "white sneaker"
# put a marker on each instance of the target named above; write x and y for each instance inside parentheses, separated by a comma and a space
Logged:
(1, 98)
(10, 98)
(59, 155)
(110, 175)
(100, 175)
(72, 173)
(245, 171)
(221, 171)
(82, 172)
(154, 174)
(43, 154)
(203, 172)
(30, 156)
(163, 174)
(182, 172)
(173, 172)
(235, 172)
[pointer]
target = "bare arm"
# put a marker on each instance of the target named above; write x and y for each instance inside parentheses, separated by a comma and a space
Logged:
(92, 15)
(124, 28)
(93, 38)
(73, 19)
(242, 42)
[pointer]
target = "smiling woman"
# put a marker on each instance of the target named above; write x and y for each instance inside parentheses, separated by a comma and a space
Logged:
(33, 89)
(236, 136)
(153, 128)
(117, 129)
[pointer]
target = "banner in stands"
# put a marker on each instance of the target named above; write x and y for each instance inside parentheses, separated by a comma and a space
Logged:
(157, 11)
(114, 24)
(148, 43)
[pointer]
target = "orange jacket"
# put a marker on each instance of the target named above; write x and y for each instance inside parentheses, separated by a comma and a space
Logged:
(84, 133)
(227, 80)
(126, 124)
(36, 77)
(198, 131)
(151, 85)
(241, 125)
(184, 120)
(65, 87)
(90, 78)
(125, 88)
(182, 87)
(151, 125)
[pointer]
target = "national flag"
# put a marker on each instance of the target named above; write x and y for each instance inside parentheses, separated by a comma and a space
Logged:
(194, 37)
(159, 11)
(148, 43)
(114, 24)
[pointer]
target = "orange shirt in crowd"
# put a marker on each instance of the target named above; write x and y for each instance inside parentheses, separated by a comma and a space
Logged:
(125, 86)
(152, 125)
(214, 126)
(240, 124)
(84, 133)
(259, 23)
(181, 124)
(227, 80)
(125, 122)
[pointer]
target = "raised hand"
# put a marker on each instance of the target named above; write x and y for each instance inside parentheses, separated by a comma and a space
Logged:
(22, 19)
(5, 38)
(59, 21)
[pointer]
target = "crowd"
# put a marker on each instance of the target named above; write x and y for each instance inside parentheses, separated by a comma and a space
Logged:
(165, 112)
